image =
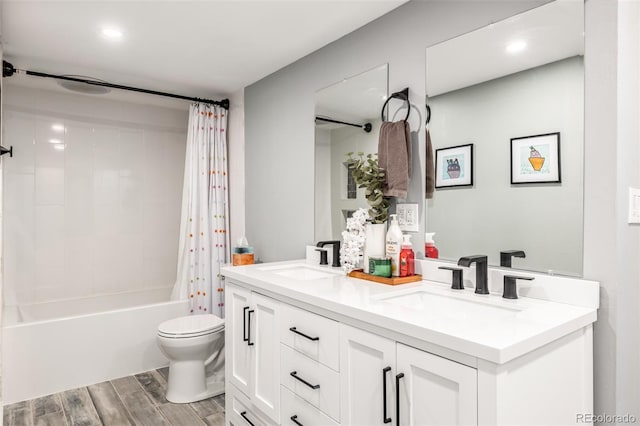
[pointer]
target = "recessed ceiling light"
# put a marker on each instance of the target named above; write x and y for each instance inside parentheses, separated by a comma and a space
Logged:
(57, 127)
(112, 33)
(516, 46)
(55, 141)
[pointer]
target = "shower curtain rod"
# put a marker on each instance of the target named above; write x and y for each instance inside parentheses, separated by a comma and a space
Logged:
(366, 126)
(8, 70)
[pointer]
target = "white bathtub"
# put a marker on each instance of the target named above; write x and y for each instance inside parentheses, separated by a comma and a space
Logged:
(54, 346)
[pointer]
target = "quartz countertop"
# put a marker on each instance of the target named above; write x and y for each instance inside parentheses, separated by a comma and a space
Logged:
(488, 327)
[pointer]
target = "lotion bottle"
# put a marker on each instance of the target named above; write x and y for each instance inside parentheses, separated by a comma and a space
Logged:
(393, 243)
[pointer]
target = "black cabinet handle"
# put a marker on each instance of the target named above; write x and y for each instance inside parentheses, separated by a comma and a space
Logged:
(384, 395)
(294, 374)
(249, 327)
(243, 414)
(294, 419)
(398, 377)
(303, 335)
(244, 324)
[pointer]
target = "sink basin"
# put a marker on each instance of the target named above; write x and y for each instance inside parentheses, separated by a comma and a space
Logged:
(451, 307)
(301, 272)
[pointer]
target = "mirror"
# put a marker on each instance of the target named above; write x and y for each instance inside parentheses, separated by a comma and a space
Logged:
(497, 88)
(344, 111)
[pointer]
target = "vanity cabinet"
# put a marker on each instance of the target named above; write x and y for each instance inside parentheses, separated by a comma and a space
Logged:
(253, 351)
(381, 378)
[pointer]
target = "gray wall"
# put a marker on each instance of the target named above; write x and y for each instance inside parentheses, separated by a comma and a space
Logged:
(279, 111)
(612, 155)
(280, 130)
(544, 220)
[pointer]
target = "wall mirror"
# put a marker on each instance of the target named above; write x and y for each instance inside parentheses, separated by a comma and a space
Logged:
(498, 88)
(347, 120)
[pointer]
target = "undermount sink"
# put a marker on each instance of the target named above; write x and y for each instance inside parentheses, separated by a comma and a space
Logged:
(449, 306)
(301, 272)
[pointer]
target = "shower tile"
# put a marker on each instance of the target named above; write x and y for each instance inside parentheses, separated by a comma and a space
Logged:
(105, 220)
(131, 274)
(79, 149)
(133, 153)
(105, 265)
(49, 186)
(106, 185)
(106, 149)
(20, 133)
(49, 147)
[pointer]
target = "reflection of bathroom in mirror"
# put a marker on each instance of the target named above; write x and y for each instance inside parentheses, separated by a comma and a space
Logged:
(355, 102)
(523, 76)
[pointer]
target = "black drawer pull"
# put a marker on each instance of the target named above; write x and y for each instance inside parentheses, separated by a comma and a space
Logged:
(244, 324)
(398, 377)
(243, 414)
(385, 419)
(294, 419)
(294, 375)
(303, 335)
(249, 328)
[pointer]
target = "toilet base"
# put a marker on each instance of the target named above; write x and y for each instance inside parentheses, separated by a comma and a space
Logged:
(188, 383)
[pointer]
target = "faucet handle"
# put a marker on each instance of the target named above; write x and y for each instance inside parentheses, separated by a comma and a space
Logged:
(323, 256)
(510, 291)
(456, 281)
(505, 257)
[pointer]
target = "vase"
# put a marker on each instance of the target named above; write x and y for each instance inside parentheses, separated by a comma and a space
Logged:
(374, 242)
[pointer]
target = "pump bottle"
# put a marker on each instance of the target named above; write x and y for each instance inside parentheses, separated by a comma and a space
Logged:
(393, 242)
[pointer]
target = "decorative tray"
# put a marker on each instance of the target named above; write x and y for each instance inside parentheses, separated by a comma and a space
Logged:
(358, 273)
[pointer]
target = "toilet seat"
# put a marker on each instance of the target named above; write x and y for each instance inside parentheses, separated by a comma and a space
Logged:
(190, 326)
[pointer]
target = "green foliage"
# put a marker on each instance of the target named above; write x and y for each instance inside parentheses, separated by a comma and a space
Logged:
(371, 177)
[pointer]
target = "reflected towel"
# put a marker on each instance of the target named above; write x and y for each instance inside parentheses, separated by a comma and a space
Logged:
(394, 156)
(431, 171)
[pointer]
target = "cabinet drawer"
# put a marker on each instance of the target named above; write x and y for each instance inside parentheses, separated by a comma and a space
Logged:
(240, 411)
(295, 409)
(323, 335)
(322, 387)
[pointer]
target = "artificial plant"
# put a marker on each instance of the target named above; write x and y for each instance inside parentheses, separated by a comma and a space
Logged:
(368, 175)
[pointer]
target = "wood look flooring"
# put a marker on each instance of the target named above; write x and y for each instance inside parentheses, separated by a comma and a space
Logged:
(133, 400)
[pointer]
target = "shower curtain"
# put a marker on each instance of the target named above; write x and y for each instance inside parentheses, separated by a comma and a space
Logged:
(204, 240)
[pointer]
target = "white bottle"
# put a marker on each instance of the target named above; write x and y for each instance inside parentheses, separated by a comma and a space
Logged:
(393, 245)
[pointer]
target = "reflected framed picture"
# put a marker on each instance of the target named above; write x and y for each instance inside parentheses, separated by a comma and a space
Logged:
(535, 159)
(454, 166)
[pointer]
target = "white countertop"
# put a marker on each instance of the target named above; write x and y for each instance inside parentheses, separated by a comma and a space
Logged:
(483, 326)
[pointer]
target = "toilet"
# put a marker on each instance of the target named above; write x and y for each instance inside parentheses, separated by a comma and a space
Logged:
(193, 344)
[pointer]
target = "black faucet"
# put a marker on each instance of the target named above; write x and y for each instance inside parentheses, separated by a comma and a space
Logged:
(481, 271)
(336, 250)
(505, 257)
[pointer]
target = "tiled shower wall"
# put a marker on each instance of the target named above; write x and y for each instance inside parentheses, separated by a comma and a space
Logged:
(92, 205)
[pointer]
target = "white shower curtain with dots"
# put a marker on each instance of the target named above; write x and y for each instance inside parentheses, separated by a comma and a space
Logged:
(204, 237)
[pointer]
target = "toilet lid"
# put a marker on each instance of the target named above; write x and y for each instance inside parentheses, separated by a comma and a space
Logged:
(191, 326)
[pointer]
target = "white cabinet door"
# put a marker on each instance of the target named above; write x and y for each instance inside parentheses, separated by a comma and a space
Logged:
(265, 340)
(367, 362)
(434, 390)
(238, 353)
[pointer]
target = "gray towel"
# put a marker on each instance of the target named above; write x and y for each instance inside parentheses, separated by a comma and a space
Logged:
(431, 171)
(394, 156)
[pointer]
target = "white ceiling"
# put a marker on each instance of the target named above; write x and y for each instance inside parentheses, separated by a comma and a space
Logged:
(552, 32)
(206, 49)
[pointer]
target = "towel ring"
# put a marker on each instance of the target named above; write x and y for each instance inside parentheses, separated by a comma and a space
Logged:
(402, 95)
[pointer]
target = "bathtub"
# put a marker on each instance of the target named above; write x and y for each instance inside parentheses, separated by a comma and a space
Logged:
(54, 346)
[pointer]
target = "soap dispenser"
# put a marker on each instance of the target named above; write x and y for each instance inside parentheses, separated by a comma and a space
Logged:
(407, 257)
(392, 245)
(430, 249)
